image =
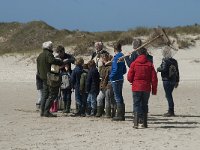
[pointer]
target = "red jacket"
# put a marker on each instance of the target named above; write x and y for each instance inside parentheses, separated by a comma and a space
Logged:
(142, 75)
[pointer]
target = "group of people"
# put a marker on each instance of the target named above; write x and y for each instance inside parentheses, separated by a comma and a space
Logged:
(98, 84)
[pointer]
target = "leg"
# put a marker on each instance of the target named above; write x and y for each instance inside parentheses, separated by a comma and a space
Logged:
(136, 107)
(100, 98)
(169, 87)
(45, 95)
(53, 94)
(145, 99)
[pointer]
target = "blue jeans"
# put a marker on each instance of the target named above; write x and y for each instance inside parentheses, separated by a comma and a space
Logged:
(78, 97)
(92, 100)
(117, 89)
(140, 102)
(66, 95)
(169, 87)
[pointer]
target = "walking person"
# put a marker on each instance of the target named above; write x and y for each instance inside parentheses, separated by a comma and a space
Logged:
(143, 78)
(92, 87)
(117, 80)
(170, 77)
(50, 77)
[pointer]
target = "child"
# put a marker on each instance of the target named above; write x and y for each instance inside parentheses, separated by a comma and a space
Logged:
(105, 88)
(66, 88)
(75, 81)
(92, 87)
(83, 90)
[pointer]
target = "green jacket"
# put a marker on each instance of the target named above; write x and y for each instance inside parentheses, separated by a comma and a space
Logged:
(44, 62)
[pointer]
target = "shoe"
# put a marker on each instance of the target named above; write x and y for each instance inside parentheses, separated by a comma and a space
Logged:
(99, 111)
(49, 115)
(108, 112)
(120, 114)
(169, 114)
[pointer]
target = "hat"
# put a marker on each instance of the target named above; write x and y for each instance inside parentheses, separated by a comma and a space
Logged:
(47, 45)
(137, 43)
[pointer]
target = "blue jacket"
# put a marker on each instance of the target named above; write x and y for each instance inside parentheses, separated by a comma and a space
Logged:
(118, 68)
(76, 76)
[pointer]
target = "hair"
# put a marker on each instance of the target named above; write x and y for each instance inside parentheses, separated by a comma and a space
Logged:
(91, 63)
(79, 61)
(118, 47)
(136, 43)
(60, 48)
(142, 51)
(85, 66)
(105, 56)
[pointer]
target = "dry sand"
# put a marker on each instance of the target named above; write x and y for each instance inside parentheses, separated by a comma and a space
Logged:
(21, 128)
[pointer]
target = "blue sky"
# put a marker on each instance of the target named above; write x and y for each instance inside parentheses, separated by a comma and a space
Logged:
(102, 15)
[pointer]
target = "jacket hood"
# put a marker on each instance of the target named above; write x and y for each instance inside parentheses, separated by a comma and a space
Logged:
(142, 59)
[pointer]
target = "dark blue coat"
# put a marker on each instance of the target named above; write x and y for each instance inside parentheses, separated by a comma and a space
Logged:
(76, 76)
(93, 81)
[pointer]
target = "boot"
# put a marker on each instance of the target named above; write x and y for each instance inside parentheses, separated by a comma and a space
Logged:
(99, 111)
(136, 120)
(108, 112)
(48, 114)
(113, 111)
(123, 111)
(37, 106)
(93, 112)
(78, 112)
(145, 120)
(120, 114)
(170, 113)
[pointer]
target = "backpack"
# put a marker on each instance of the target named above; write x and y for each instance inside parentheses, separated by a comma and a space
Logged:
(65, 83)
(173, 71)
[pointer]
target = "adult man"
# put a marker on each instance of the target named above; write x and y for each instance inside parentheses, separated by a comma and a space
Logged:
(49, 92)
(96, 56)
(117, 79)
(69, 59)
(137, 43)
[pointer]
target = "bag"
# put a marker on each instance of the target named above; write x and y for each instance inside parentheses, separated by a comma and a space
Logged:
(54, 106)
(65, 84)
(173, 71)
(53, 80)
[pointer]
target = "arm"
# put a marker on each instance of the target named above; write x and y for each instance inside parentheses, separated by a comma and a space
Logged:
(154, 80)
(89, 81)
(114, 68)
(131, 73)
(163, 66)
(70, 59)
(53, 60)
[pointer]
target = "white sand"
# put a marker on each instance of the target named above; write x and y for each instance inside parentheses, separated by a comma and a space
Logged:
(21, 128)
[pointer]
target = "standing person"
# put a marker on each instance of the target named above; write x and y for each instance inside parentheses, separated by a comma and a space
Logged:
(92, 87)
(65, 88)
(83, 88)
(39, 85)
(75, 81)
(51, 81)
(142, 76)
(105, 88)
(65, 70)
(117, 79)
(96, 56)
(137, 43)
(170, 77)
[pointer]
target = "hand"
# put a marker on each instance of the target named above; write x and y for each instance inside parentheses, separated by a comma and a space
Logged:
(176, 85)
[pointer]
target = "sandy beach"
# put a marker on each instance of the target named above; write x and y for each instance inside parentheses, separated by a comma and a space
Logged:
(21, 127)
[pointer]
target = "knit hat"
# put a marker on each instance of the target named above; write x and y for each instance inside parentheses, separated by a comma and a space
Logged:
(47, 45)
(136, 43)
